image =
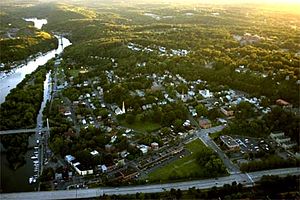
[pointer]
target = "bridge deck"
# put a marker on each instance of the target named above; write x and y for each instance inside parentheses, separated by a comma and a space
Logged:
(33, 130)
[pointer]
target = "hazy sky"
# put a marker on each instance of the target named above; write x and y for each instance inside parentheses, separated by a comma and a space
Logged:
(242, 1)
(194, 1)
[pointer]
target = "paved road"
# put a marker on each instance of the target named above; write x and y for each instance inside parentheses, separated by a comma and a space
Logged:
(203, 134)
(201, 184)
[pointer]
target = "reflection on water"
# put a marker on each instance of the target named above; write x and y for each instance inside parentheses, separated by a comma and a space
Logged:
(17, 180)
(38, 23)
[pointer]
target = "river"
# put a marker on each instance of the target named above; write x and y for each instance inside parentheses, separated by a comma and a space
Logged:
(17, 180)
(10, 81)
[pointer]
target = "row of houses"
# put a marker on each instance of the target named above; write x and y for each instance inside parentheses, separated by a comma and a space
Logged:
(282, 140)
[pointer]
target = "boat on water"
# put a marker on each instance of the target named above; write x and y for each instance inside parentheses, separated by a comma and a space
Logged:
(33, 157)
(31, 180)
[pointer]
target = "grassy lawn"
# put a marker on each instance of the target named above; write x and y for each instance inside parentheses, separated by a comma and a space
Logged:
(74, 72)
(142, 126)
(216, 135)
(183, 168)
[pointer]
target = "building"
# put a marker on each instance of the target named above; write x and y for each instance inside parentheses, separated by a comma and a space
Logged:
(77, 166)
(154, 145)
(94, 153)
(103, 168)
(205, 93)
(229, 142)
(226, 111)
(282, 140)
(283, 103)
(276, 134)
(143, 148)
(205, 123)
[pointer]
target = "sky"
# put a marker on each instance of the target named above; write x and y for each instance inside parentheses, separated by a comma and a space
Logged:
(243, 1)
(201, 1)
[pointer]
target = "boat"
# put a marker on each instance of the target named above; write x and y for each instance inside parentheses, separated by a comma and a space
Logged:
(33, 157)
(30, 180)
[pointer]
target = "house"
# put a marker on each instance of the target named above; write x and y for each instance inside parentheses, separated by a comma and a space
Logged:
(103, 168)
(143, 148)
(229, 142)
(67, 113)
(124, 154)
(222, 121)
(154, 145)
(283, 103)
(205, 93)
(94, 153)
(205, 123)
(276, 135)
(58, 176)
(226, 111)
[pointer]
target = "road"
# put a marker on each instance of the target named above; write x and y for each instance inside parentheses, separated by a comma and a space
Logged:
(203, 134)
(201, 184)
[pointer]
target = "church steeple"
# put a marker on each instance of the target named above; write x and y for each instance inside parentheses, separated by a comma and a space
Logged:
(123, 108)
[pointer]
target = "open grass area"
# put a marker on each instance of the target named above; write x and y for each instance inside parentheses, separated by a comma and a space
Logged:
(216, 135)
(183, 168)
(142, 126)
(74, 72)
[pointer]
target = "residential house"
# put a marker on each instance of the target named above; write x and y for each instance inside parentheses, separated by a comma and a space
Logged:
(226, 111)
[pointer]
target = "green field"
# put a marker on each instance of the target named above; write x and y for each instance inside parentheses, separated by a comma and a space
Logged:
(216, 135)
(142, 126)
(74, 72)
(183, 168)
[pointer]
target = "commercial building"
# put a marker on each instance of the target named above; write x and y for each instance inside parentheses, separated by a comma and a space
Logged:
(229, 142)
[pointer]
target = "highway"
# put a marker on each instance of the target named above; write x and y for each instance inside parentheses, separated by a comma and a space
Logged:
(201, 184)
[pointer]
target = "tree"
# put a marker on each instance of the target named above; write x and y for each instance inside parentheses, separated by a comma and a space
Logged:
(166, 131)
(201, 110)
(130, 118)
(178, 125)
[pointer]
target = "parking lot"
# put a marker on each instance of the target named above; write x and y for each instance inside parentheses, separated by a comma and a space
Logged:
(252, 145)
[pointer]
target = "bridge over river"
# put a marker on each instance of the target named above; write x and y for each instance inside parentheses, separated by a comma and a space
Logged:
(33, 130)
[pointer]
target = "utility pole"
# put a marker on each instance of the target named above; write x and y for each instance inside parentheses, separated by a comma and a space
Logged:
(46, 138)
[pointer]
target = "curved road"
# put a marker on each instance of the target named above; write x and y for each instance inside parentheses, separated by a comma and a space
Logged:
(245, 179)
